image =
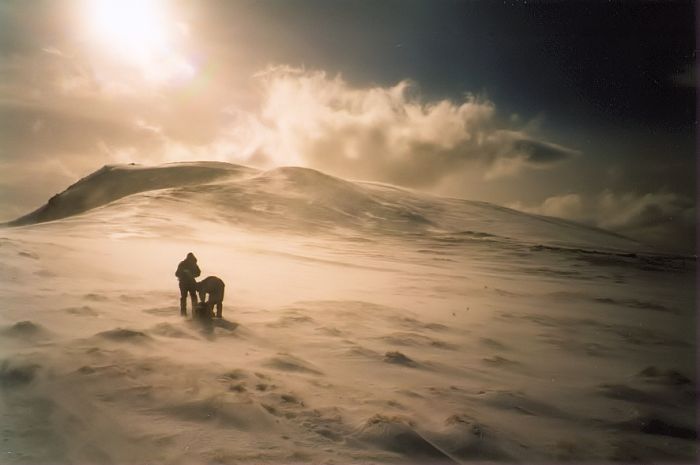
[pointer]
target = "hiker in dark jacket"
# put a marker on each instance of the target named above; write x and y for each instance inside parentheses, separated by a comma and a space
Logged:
(186, 273)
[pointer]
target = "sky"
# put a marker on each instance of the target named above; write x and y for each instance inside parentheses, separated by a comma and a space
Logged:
(580, 110)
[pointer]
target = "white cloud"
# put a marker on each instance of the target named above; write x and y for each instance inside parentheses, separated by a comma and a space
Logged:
(305, 118)
(389, 133)
(660, 218)
(567, 206)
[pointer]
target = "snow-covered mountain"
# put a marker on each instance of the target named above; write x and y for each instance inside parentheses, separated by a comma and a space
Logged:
(302, 199)
(363, 323)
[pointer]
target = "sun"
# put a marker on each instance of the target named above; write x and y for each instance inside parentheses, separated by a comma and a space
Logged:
(128, 26)
(140, 33)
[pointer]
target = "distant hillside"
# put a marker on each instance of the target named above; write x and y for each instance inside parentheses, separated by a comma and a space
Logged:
(112, 182)
(303, 201)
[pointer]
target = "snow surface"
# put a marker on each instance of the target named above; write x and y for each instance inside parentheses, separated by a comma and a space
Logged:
(362, 323)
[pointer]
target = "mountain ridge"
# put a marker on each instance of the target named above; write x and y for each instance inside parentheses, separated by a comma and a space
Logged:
(307, 199)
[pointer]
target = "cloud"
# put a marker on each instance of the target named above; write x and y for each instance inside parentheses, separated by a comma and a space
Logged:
(512, 151)
(384, 133)
(389, 133)
(664, 219)
(541, 153)
(567, 206)
(632, 212)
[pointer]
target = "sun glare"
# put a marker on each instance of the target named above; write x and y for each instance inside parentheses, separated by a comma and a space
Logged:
(129, 25)
(140, 33)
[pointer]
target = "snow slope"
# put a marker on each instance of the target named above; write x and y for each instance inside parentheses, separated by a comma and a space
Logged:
(300, 198)
(363, 323)
(113, 182)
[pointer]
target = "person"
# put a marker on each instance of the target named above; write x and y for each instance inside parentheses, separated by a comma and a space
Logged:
(214, 287)
(186, 273)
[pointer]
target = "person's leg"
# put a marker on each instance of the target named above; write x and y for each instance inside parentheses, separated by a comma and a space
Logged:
(219, 309)
(193, 298)
(183, 300)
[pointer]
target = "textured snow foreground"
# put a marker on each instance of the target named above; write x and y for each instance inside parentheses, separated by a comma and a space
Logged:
(362, 323)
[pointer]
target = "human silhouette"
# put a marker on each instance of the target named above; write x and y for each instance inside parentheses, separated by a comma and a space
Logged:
(213, 286)
(186, 273)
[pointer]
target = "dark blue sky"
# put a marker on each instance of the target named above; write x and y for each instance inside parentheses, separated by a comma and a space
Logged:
(589, 62)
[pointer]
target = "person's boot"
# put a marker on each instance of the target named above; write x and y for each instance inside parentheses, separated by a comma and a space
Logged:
(183, 307)
(218, 312)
